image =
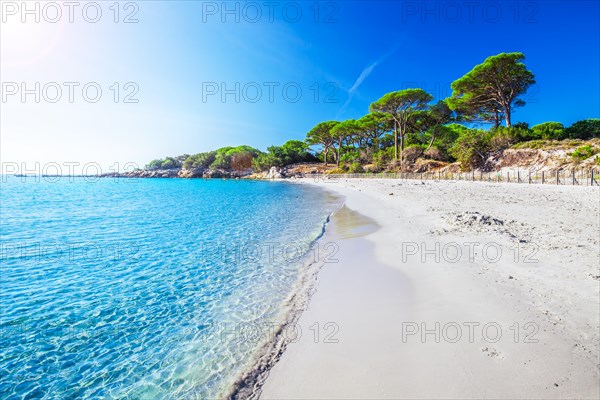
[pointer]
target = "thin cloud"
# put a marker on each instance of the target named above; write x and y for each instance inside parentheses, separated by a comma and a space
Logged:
(364, 75)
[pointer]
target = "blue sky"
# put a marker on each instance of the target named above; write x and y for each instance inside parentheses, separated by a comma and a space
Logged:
(341, 56)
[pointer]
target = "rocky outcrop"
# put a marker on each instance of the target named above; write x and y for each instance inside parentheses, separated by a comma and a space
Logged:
(182, 173)
(160, 173)
(242, 173)
(192, 173)
(305, 169)
(216, 173)
(274, 173)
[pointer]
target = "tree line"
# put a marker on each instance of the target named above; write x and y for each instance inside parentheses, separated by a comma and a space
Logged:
(407, 125)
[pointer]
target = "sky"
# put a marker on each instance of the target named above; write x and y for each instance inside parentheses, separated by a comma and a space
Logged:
(117, 86)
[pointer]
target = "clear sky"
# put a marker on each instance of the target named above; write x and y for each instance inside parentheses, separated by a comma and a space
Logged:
(211, 74)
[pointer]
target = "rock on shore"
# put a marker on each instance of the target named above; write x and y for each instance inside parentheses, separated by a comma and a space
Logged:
(181, 173)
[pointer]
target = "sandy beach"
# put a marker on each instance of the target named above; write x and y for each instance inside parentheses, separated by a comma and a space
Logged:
(451, 290)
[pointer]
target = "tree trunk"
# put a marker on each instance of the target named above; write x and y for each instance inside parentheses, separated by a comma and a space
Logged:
(395, 140)
(432, 139)
(507, 116)
(326, 152)
(339, 152)
(402, 152)
(496, 119)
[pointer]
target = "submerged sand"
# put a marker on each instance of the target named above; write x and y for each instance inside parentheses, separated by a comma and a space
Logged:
(451, 290)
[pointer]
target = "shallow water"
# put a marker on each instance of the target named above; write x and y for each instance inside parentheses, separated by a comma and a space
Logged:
(143, 288)
(351, 224)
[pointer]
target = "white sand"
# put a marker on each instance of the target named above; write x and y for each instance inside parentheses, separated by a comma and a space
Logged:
(381, 288)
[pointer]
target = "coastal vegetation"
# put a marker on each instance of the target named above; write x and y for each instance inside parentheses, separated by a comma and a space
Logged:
(407, 131)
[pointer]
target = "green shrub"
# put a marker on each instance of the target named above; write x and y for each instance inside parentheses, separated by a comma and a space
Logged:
(383, 158)
(167, 163)
(170, 163)
(291, 152)
(532, 144)
(584, 152)
(471, 148)
(225, 155)
(549, 131)
(445, 138)
(350, 155)
(584, 129)
(521, 125)
(153, 165)
(356, 168)
(221, 161)
(503, 137)
(415, 139)
(265, 161)
(387, 140)
(200, 160)
(549, 144)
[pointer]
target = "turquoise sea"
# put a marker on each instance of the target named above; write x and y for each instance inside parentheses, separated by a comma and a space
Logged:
(145, 288)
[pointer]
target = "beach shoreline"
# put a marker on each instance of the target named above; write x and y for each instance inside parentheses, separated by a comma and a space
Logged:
(248, 385)
(398, 295)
